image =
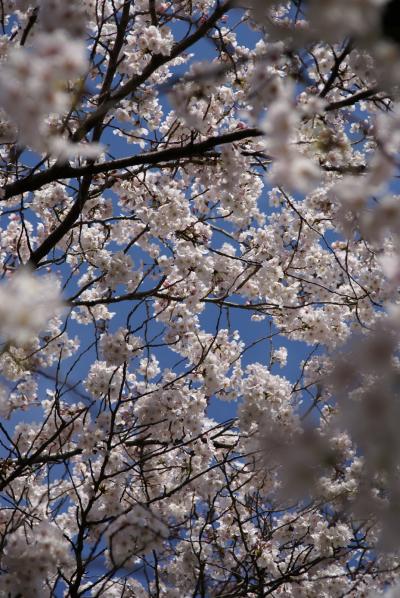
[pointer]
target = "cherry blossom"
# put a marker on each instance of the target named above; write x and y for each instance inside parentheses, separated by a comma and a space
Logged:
(27, 303)
(199, 309)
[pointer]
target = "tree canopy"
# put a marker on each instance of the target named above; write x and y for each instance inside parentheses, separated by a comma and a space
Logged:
(199, 298)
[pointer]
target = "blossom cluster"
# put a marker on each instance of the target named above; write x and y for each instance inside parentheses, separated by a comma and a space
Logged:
(27, 303)
(29, 557)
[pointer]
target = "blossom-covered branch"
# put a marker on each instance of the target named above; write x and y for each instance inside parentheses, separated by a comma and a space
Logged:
(199, 304)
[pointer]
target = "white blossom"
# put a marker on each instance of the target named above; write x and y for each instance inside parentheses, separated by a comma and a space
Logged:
(27, 303)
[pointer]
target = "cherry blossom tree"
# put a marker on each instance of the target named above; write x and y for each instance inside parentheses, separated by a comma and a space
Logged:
(194, 193)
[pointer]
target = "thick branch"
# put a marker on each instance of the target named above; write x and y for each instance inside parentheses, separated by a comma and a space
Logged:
(36, 181)
(55, 237)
